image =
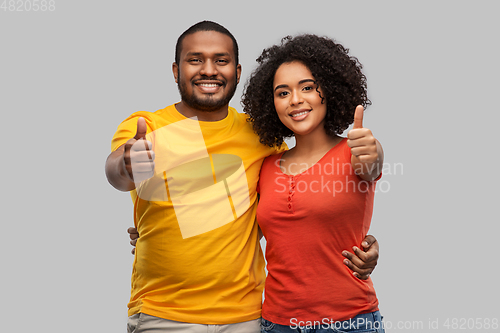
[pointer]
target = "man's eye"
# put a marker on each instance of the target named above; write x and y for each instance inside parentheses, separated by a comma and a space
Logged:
(194, 60)
(222, 61)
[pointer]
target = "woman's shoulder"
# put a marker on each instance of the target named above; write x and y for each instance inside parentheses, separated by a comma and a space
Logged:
(271, 160)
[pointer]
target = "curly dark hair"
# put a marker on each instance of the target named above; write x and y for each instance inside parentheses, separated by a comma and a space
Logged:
(338, 74)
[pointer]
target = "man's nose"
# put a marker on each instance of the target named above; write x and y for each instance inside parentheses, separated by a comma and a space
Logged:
(209, 69)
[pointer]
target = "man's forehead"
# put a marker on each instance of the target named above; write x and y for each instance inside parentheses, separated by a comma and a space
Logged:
(207, 42)
(221, 54)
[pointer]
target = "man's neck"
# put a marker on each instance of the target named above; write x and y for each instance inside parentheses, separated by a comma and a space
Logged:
(189, 112)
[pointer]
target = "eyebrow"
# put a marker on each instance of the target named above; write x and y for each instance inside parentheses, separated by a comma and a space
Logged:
(300, 82)
(223, 54)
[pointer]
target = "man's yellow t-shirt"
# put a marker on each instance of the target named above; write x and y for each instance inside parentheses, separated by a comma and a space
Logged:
(198, 258)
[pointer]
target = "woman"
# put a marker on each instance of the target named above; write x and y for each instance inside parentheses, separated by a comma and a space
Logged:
(316, 198)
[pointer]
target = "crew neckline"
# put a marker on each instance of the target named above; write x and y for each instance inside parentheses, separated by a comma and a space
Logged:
(207, 124)
(278, 165)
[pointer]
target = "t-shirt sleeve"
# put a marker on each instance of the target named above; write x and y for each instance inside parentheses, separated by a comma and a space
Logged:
(127, 129)
(265, 168)
(282, 148)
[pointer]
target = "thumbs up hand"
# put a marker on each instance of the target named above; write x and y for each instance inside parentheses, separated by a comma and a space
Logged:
(367, 154)
(138, 156)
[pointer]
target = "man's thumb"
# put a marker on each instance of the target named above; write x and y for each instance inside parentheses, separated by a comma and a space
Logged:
(358, 117)
(142, 128)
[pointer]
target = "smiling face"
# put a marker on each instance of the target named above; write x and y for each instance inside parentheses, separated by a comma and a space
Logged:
(297, 100)
(207, 73)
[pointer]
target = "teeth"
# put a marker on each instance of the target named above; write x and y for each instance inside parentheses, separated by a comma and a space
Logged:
(210, 85)
(300, 114)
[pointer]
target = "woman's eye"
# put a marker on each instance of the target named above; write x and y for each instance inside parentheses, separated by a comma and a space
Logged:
(283, 94)
(308, 88)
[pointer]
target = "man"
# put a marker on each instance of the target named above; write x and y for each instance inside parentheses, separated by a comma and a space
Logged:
(192, 169)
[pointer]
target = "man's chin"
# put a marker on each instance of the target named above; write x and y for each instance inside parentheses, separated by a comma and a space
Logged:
(206, 105)
(207, 102)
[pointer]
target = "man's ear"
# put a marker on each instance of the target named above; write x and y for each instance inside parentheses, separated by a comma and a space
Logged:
(238, 73)
(175, 71)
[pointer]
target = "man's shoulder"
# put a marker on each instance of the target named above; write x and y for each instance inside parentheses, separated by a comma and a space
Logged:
(158, 117)
(239, 115)
(241, 121)
(246, 124)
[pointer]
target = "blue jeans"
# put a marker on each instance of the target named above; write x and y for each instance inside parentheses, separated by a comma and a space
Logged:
(363, 323)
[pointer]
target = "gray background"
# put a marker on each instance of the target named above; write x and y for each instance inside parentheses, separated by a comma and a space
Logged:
(70, 76)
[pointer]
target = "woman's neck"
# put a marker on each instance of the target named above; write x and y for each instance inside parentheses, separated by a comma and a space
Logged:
(308, 150)
(315, 143)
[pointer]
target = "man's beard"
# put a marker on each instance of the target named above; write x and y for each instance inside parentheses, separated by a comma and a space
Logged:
(207, 103)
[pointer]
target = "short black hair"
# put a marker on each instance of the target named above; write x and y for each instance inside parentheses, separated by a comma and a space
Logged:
(205, 26)
(337, 74)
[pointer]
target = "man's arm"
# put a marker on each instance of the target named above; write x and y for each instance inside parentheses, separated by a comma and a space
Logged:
(116, 171)
(363, 262)
(136, 152)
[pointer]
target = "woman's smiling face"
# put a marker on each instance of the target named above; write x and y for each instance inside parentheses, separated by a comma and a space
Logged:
(297, 99)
